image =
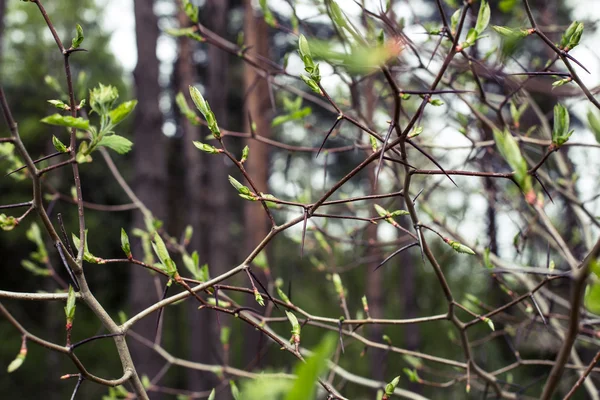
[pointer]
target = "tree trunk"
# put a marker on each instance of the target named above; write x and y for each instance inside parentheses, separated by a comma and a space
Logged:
(150, 173)
(207, 192)
(257, 107)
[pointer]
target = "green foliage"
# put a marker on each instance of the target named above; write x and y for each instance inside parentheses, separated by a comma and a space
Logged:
(561, 133)
(78, 39)
(7, 222)
(509, 149)
(308, 373)
(570, 39)
(125, 243)
(67, 121)
(204, 108)
(17, 362)
(70, 307)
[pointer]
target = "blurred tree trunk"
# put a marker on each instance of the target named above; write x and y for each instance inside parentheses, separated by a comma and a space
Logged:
(2, 15)
(257, 106)
(150, 172)
(374, 290)
(206, 189)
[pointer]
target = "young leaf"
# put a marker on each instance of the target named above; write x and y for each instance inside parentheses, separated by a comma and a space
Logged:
(483, 18)
(390, 387)
(122, 111)
(68, 121)
(245, 153)
(510, 33)
(459, 247)
(560, 133)
(509, 149)
(204, 108)
(59, 104)
(304, 386)
(18, 361)
(70, 307)
(239, 187)
(58, 145)
(207, 148)
(8, 223)
(190, 10)
(125, 243)
(185, 109)
(118, 143)
(78, 39)
(34, 269)
(594, 123)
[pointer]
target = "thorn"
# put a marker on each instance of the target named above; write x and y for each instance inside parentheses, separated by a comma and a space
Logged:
(432, 160)
(303, 233)
(408, 246)
(327, 136)
(380, 165)
(537, 307)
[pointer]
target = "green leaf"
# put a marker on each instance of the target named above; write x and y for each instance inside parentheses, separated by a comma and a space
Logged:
(560, 133)
(412, 374)
(459, 247)
(70, 307)
(594, 123)
(592, 298)
(8, 223)
(185, 109)
(258, 297)
(337, 284)
(381, 211)
(303, 47)
(268, 15)
(294, 322)
(245, 153)
(190, 10)
(160, 249)
(187, 32)
(59, 104)
(118, 143)
(308, 373)
(390, 387)
(102, 98)
(239, 187)
(207, 148)
(509, 149)
(122, 111)
(294, 116)
(58, 145)
(125, 243)
(224, 335)
(510, 32)
(212, 395)
(572, 36)
(483, 18)
(68, 121)
(311, 84)
(204, 108)
(283, 296)
(454, 20)
(490, 323)
(87, 256)
(78, 39)
(17, 362)
(34, 269)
